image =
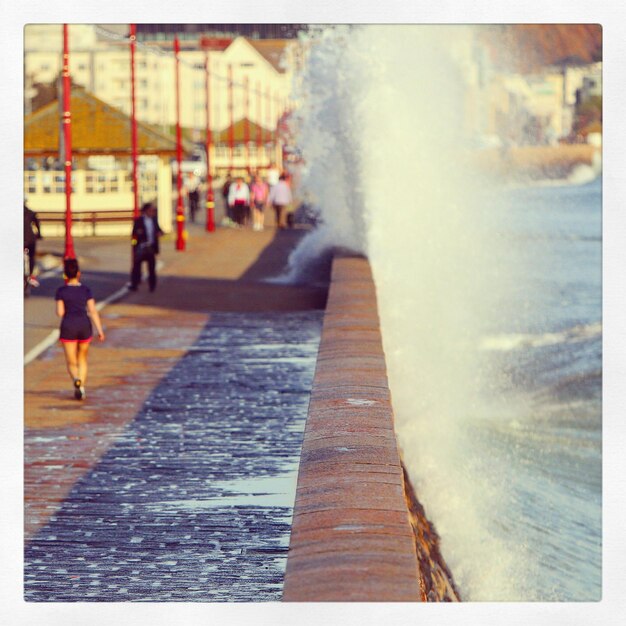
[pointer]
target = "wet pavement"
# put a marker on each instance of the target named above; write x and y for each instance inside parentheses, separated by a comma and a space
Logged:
(175, 479)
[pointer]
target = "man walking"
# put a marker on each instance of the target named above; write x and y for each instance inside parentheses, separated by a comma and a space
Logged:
(280, 197)
(145, 246)
(193, 185)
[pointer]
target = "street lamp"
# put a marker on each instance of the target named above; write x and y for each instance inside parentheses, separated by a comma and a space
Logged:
(67, 145)
(180, 213)
(210, 200)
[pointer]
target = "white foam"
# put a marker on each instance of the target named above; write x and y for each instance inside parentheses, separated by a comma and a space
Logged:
(516, 341)
(381, 130)
(272, 491)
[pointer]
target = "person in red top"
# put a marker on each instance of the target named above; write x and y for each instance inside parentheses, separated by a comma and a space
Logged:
(76, 307)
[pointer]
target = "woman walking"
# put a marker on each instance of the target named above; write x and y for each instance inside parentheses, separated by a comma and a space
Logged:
(259, 192)
(77, 309)
(239, 200)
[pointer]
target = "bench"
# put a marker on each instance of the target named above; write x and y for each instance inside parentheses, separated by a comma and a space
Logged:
(89, 217)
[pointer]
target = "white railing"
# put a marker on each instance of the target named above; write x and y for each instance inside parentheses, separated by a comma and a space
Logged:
(89, 183)
(94, 191)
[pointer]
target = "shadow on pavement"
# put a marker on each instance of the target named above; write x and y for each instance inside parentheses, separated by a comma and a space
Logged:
(249, 293)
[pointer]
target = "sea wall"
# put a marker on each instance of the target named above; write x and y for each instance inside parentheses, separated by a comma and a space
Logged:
(527, 163)
(357, 533)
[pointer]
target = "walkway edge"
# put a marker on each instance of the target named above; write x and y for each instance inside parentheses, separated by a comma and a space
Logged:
(351, 536)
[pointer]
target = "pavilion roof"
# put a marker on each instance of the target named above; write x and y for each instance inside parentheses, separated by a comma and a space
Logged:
(239, 132)
(97, 128)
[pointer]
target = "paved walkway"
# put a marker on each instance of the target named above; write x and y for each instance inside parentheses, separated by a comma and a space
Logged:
(175, 478)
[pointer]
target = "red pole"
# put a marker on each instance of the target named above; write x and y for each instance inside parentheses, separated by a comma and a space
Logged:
(231, 128)
(180, 213)
(246, 127)
(268, 118)
(259, 136)
(67, 134)
(268, 114)
(210, 201)
(133, 119)
(279, 114)
(277, 103)
(275, 127)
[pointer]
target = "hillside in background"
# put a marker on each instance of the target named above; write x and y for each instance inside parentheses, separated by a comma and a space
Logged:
(526, 48)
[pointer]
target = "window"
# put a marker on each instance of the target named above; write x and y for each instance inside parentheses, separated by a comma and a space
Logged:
(102, 182)
(30, 183)
(59, 183)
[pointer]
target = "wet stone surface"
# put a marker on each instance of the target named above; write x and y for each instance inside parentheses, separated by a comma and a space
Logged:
(194, 501)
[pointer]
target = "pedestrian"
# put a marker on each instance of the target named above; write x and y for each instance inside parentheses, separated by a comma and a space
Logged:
(272, 175)
(239, 200)
(77, 309)
(32, 232)
(193, 195)
(280, 197)
(228, 218)
(145, 246)
(259, 193)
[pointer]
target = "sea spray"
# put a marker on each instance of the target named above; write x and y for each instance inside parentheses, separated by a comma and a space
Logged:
(382, 128)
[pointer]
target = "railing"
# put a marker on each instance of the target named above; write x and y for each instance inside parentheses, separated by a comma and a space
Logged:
(88, 182)
(87, 217)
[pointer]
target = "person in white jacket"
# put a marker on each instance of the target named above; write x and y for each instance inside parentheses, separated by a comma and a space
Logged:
(239, 200)
(280, 197)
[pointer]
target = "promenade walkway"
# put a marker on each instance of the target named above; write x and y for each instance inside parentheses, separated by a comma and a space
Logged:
(175, 478)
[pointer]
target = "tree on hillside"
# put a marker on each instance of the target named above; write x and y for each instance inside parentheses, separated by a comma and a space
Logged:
(588, 116)
(46, 93)
(527, 48)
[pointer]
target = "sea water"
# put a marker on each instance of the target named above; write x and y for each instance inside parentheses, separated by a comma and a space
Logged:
(490, 304)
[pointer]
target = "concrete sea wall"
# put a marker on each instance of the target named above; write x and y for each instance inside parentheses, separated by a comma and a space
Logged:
(358, 532)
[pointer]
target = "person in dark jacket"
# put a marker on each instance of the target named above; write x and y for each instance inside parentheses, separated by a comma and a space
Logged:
(32, 232)
(229, 218)
(145, 246)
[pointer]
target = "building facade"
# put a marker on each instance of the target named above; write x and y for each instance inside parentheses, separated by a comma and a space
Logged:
(259, 71)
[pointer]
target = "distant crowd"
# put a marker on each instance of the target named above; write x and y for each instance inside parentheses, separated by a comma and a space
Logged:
(246, 199)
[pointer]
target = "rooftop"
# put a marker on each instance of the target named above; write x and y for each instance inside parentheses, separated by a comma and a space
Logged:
(97, 128)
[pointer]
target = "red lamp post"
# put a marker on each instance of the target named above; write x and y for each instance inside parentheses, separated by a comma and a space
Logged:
(246, 124)
(67, 152)
(180, 213)
(133, 119)
(259, 135)
(231, 128)
(268, 117)
(210, 200)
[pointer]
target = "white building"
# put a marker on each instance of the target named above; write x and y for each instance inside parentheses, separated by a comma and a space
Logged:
(101, 63)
